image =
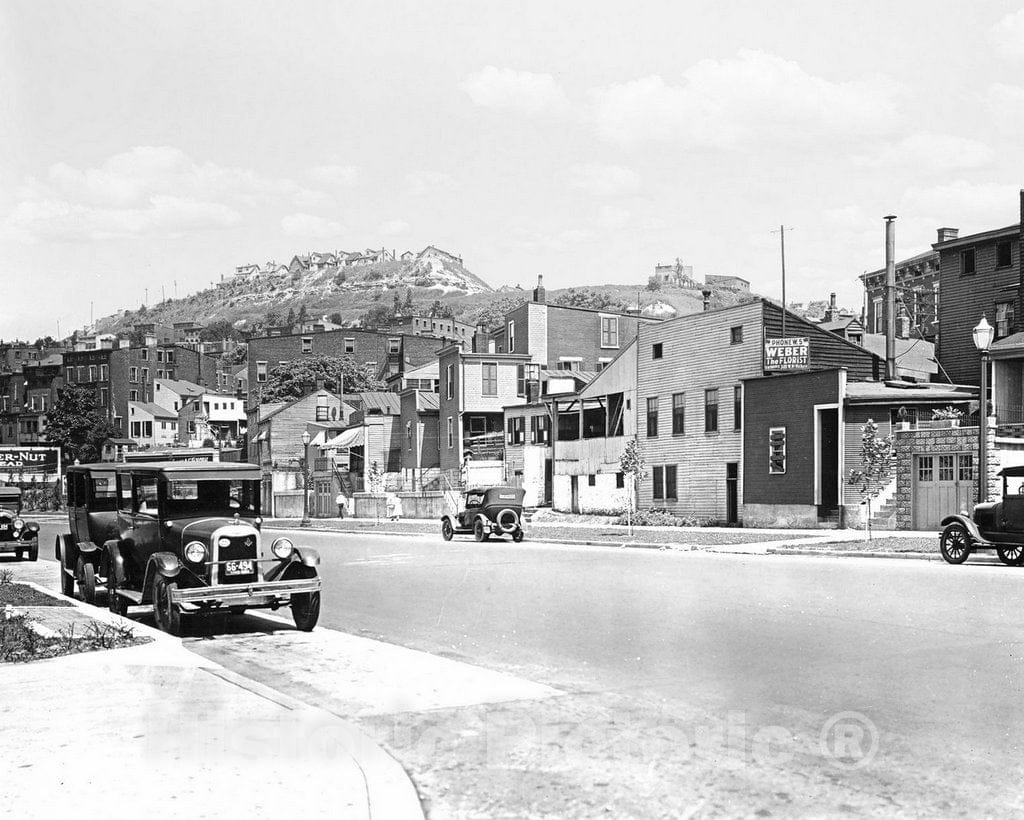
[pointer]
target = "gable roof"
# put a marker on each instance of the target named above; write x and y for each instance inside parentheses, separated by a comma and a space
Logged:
(388, 403)
(154, 410)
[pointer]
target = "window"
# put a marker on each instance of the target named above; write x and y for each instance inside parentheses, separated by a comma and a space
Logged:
(92, 373)
(925, 468)
(145, 494)
(170, 357)
(967, 262)
(1003, 255)
(736, 335)
(133, 395)
(104, 397)
(133, 374)
(69, 374)
(323, 412)
(159, 355)
(966, 467)
(569, 363)
(1004, 319)
(145, 375)
(737, 408)
(678, 414)
(145, 354)
(777, 450)
(656, 351)
(602, 363)
(394, 345)
(451, 433)
(615, 420)
(449, 382)
(489, 379)
(670, 482)
(516, 429)
(877, 320)
(591, 480)
(261, 371)
(711, 410)
(540, 430)
(946, 468)
(307, 344)
(511, 336)
(620, 481)
(658, 474)
(609, 331)
(408, 436)
(652, 416)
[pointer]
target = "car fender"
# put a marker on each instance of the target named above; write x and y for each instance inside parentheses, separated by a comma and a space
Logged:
(166, 564)
(87, 548)
(113, 562)
(968, 524)
(450, 519)
(301, 564)
(307, 556)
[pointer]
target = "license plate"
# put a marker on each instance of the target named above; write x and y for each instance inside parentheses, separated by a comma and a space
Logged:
(238, 568)
(3, 527)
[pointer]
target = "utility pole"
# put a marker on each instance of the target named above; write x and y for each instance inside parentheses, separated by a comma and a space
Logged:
(782, 242)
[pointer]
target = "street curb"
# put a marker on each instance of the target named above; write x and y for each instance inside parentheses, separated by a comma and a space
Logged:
(390, 791)
(917, 556)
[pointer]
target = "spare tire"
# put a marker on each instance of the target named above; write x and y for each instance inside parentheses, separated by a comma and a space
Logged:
(507, 520)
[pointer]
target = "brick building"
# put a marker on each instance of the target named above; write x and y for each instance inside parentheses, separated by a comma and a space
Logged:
(386, 354)
(918, 285)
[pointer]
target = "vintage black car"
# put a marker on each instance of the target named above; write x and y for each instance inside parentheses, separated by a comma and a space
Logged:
(997, 525)
(92, 521)
(16, 534)
(189, 541)
(485, 512)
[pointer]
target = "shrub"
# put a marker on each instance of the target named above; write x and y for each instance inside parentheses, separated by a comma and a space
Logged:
(654, 517)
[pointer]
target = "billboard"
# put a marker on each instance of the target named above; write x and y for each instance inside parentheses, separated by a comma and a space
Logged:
(787, 353)
(28, 463)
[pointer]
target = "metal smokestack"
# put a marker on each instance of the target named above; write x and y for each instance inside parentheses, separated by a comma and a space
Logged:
(707, 299)
(890, 297)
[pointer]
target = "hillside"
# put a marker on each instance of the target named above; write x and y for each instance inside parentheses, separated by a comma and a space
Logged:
(350, 292)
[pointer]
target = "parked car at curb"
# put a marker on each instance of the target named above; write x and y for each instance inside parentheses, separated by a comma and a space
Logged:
(16, 534)
(92, 521)
(189, 542)
(486, 511)
(997, 525)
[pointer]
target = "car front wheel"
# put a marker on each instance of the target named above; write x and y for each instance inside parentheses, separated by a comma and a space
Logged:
(1011, 554)
(446, 530)
(33, 551)
(165, 611)
(86, 576)
(306, 610)
(955, 543)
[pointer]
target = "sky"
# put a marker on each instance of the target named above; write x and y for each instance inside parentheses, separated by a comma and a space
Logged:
(146, 149)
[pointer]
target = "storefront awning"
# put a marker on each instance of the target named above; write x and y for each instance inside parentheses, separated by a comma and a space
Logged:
(353, 437)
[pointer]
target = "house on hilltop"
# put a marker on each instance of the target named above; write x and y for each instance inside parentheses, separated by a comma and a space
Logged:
(431, 252)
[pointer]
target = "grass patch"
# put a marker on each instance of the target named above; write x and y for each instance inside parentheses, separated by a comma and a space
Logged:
(24, 595)
(20, 642)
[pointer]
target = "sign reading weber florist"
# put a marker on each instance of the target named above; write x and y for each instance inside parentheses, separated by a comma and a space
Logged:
(789, 353)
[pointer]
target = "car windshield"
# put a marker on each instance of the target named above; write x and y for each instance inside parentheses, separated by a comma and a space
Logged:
(213, 496)
(1014, 485)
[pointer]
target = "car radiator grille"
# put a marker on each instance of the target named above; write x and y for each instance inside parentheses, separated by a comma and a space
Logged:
(238, 551)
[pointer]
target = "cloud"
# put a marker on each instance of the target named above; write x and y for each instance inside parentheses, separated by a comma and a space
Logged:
(505, 89)
(1008, 35)
(339, 176)
(430, 182)
(603, 180)
(971, 206)
(613, 218)
(534, 241)
(145, 190)
(394, 227)
(313, 227)
(930, 152)
(753, 98)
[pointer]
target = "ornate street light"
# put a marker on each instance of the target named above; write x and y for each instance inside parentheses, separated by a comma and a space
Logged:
(305, 479)
(983, 334)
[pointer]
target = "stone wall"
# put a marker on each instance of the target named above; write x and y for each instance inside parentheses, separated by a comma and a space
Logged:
(946, 440)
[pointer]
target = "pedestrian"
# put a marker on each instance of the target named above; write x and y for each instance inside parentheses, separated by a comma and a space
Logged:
(394, 507)
(340, 500)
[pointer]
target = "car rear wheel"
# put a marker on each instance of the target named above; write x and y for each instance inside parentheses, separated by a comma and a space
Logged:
(165, 611)
(306, 610)
(955, 543)
(67, 580)
(517, 536)
(19, 554)
(446, 530)
(479, 531)
(1011, 554)
(86, 576)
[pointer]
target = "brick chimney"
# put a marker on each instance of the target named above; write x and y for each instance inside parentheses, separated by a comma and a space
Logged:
(948, 234)
(539, 294)
(707, 299)
(830, 312)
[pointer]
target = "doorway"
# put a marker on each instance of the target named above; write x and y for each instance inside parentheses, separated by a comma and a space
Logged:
(828, 459)
(732, 483)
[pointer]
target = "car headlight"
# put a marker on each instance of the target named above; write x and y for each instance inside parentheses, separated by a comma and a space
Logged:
(195, 551)
(18, 523)
(282, 548)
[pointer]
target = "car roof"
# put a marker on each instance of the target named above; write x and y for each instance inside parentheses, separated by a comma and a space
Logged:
(94, 467)
(194, 470)
(498, 487)
(1013, 472)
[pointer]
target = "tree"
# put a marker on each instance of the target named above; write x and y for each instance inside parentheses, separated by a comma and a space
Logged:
(77, 425)
(291, 317)
(218, 330)
(653, 283)
(587, 298)
(303, 315)
(336, 318)
(407, 306)
(493, 314)
(295, 379)
(377, 316)
(633, 466)
(877, 457)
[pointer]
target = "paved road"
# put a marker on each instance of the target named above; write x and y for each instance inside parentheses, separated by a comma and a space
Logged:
(764, 650)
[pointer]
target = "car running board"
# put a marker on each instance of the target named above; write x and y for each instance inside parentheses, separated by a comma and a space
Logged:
(131, 594)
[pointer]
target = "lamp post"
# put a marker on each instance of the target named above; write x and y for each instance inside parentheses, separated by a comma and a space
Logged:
(983, 334)
(305, 479)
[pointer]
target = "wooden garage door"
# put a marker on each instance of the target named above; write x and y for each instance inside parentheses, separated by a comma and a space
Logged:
(943, 485)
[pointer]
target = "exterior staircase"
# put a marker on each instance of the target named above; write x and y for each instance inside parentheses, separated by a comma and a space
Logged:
(883, 508)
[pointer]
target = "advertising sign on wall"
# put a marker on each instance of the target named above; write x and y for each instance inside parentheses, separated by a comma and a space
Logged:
(26, 463)
(787, 353)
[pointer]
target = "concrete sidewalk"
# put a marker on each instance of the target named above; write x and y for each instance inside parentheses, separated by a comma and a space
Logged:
(157, 726)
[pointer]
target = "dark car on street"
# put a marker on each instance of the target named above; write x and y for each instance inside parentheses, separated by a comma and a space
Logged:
(16, 534)
(92, 521)
(189, 542)
(487, 511)
(997, 525)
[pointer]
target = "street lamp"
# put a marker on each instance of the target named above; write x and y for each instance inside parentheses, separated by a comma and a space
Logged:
(983, 334)
(305, 479)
